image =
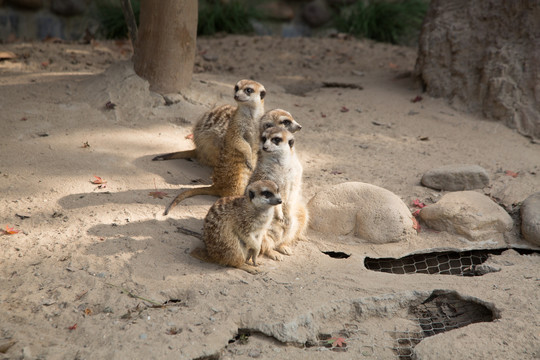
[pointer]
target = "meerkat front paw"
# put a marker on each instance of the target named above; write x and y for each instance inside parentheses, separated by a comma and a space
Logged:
(274, 255)
(285, 250)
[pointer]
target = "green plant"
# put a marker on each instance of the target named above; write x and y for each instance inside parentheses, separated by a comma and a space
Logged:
(112, 19)
(383, 20)
(225, 16)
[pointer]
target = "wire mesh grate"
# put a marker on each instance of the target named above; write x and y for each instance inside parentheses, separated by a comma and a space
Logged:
(462, 263)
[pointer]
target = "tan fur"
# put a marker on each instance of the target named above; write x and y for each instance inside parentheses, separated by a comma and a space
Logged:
(279, 118)
(239, 154)
(234, 226)
(278, 162)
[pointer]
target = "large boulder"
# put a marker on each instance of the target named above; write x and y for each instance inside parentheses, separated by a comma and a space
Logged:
(366, 211)
(470, 214)
(485, 57)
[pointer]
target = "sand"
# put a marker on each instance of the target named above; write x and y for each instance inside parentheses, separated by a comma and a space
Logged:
(97, 272)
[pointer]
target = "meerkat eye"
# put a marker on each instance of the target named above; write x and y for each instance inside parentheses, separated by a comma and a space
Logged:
(267, 194)
(251, 195)
(291, 143)
(236, 88)
(263, 94)
(276, 140)
(263, 139)
(267, 126)
(286, 122)
(249, 91)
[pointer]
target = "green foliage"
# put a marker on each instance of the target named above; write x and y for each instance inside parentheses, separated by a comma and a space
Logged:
(383, 20)
(225, 16)
(112, 19)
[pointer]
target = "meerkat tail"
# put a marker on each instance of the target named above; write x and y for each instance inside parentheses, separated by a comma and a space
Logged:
(303, 220)
(188, 154)
(207, 190)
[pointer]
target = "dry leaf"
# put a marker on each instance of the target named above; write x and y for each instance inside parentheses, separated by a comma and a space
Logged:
(110, 105)
(72, 327)
(419, 204)
(87, 311)
(344, 109)
(416, 225)
(158, 194)
(337, 342)
(10, 231)
(98, 181)
(417, 99)
(511, 173)
(189, 136)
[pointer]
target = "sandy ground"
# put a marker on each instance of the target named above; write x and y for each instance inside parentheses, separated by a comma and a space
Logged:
(97, 272)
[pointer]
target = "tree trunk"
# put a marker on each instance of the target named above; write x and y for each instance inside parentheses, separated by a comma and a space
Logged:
(166, 43)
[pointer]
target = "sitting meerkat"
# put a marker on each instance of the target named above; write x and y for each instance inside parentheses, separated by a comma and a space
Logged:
(234, 226)
(279, 163)
(240, 144)
(209, 131)
(279, 118)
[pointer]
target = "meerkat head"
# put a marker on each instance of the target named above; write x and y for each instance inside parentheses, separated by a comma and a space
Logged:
(279, 118)
(249, 92)
(276, 139)
(263, 193)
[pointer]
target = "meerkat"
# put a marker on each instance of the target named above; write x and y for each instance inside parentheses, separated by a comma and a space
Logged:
(234, 226)
(278, 162)
(209, 131)
(239, 154)
(279, 118)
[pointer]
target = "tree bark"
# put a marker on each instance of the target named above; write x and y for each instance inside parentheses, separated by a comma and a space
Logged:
(166, 44)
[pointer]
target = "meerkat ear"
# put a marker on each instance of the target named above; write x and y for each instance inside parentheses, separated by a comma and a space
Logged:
(291, 143)
(263, 94)
(251, 195)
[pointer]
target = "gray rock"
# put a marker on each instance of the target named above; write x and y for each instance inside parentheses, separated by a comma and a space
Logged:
(456, 178)
(530, 218)
(68, 7)
(316, 13)
(363, 210)
(467, 213)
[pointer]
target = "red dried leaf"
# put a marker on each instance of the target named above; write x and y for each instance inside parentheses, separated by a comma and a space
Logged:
(85, 145)
(344, 109)
(189, 136)
(157, 194)
(98, 181)
(44, 64)
(323, 115)
(419, 204)
(337, 342)
(72, 327)
(393, 66)
(416, 213)
(511, 173)
(10, 231)
(336, 172)
(417, 99)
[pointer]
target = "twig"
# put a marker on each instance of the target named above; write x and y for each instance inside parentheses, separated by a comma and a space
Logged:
(129, 293)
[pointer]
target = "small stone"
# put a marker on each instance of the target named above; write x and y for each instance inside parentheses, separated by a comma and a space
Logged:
(143, 336)
(171, 99)
(456, 178)
(254, 353)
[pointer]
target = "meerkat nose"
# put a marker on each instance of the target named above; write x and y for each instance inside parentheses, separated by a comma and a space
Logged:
(235, 97)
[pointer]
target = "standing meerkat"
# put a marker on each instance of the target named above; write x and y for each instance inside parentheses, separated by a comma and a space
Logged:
(234, 226)
(278, 162)
(239, 153)
(209, 131)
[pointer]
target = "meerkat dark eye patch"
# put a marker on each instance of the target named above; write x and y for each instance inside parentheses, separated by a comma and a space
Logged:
(267, 194)
(291, 143)
(267, 126)
(251, 195)
(263, 94)
(248, 91)
(286, 122)
(236, 88)
(276, 140)
(263, 139)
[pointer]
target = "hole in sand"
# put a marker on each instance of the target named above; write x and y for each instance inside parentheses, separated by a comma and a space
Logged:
(337, 254)
(442, 311)
(463, 263)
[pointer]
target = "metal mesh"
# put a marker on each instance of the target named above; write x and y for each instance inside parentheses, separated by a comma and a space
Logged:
(442, 311)
(462, 263)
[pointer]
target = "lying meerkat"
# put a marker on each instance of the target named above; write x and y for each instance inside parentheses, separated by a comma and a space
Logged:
(278, 162)
(234, 226)
(209, 131)
(240, 144)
